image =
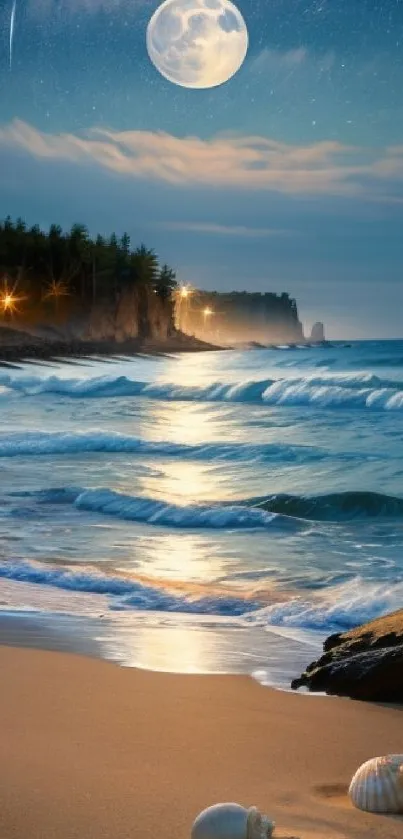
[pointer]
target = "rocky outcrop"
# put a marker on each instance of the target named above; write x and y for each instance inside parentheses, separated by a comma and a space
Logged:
(137, 313)
(318, 333)
(366, 663)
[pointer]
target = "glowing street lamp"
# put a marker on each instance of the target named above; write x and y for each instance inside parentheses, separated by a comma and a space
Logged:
(183, 292)
(57, 288)
(9, 301)
(183, 295)
(207, 313)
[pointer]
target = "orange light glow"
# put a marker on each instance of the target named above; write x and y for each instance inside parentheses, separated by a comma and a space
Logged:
(57, 288)
(9, 301)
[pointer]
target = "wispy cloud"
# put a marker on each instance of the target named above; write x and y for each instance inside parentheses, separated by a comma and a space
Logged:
(286, 59)
(230, 161)
(272, 61)
(224, 229)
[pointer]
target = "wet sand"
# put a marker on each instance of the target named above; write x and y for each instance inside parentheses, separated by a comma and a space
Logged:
(90, 750)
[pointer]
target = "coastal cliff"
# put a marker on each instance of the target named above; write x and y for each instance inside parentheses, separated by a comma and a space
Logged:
(241, 317)
(72, 286)
(138, 320)
(137, 313)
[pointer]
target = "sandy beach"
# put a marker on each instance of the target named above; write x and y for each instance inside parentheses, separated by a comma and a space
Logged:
(89, 749)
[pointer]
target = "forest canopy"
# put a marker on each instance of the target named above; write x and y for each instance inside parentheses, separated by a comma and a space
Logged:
(55, 263)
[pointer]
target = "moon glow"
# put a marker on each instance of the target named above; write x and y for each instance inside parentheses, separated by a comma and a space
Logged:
(197, 43)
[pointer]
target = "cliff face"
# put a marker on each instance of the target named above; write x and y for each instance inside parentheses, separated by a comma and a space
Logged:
(138, 313)
(241, 317)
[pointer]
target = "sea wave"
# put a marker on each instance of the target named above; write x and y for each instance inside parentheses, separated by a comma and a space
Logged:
(336, 609)
(124, 593)
(286, 511)
(151, 511)
(41, 443)
(335, 506)
(361, 390)
(336, 392)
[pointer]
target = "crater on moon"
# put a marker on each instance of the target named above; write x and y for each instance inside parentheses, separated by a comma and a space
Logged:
(197, 43)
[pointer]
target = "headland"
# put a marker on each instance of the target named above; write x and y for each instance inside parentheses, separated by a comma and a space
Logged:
(67, 294)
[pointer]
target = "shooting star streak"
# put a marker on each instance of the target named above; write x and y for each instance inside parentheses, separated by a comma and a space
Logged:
(12, 24)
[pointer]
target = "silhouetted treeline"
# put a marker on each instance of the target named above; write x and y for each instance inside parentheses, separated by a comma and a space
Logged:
(55, 263)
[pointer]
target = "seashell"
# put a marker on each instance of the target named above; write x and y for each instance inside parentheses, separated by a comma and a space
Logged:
(231, 821)
(377, 786)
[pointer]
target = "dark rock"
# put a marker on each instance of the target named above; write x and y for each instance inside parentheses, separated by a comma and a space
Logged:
(366, 663)
(375, 676)
(332, 641)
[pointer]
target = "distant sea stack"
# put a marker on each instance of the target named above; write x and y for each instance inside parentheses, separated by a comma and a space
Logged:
(318, 333)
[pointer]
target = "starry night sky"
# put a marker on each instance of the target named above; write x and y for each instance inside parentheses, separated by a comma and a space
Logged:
(288, 177)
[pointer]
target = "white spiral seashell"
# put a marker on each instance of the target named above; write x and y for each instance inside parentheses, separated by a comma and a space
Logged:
(231, 821)
(377, 786)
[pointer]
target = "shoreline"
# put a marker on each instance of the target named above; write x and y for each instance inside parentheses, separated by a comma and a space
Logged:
(170, 643)
(92, 749)
(31, 348)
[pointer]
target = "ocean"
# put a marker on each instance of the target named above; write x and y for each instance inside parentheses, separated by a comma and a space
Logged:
(214, 512)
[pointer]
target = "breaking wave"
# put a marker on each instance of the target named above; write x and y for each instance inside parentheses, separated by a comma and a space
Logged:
(150, 511)
(286, 511)
(335, 609)
(124, 593)
(335, 506)
(359, 390)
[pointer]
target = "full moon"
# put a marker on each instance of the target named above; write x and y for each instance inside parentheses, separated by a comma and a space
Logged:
(197, 43)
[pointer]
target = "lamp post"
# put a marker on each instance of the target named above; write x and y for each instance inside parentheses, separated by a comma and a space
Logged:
(183, 296)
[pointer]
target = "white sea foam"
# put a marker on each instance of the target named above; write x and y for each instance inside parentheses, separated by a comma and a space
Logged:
(334, 609)
(359, 390)
(337, 608)
(131, 508)
(123, 593)
(150, 511)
